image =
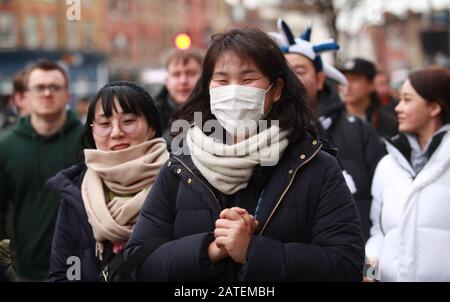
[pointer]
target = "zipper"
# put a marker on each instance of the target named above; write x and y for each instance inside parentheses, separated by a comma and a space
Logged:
(209, 189)
(287, 188)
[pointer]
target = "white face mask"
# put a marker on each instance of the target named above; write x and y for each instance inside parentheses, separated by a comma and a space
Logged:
(238, 108)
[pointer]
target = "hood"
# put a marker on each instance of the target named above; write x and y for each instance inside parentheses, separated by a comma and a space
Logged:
(399, 148)
(60, 140)
(67, 184)
(163, 99)
(68, 180)
(25, 128)
(329, 102)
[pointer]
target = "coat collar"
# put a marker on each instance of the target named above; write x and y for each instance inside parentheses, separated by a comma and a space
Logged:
(398, 147)
(297, 154)
(67, 184)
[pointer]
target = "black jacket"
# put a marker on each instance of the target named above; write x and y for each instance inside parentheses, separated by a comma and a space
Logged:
(382, 117)
(359, 148)
(310, 228)
(167, 108)
(73, 233)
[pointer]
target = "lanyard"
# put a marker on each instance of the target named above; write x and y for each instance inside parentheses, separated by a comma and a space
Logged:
(257, 204)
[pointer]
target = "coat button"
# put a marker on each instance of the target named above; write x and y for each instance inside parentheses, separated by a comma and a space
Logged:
(302, 156)
(189, 181)
(169, 164)
(314, 142)
(178, 171)
(291, 171)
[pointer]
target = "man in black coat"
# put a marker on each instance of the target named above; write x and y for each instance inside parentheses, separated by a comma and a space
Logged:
(183, 70)
(361, 98)
(359, 148)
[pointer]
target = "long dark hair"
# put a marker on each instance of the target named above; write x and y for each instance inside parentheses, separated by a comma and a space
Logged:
(292, 111)
(433, 85)
(131, 97)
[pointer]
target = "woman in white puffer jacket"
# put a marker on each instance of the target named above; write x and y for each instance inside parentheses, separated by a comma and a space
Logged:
(410, 236)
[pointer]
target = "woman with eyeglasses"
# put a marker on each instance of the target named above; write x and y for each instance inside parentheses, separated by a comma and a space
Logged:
(101, 198)
(260, 203)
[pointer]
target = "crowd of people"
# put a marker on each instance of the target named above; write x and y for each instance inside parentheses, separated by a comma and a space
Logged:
(289, 169)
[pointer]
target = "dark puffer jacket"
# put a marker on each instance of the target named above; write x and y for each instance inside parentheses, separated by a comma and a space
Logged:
(359, 148)
(310, 228)
(167, 108)
(382, 117)
(73, 233)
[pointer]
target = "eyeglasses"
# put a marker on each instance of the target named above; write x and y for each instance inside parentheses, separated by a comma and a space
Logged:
(40, 89)
(127, 124)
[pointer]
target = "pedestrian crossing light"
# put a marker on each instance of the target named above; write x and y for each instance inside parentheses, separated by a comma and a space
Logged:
(183, 41)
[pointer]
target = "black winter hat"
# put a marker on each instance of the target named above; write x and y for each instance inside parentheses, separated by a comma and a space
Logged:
(359, 66)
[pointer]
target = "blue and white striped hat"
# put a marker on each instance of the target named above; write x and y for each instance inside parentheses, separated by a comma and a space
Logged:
(302, 45)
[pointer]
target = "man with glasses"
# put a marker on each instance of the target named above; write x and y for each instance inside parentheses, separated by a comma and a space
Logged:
(38, 147)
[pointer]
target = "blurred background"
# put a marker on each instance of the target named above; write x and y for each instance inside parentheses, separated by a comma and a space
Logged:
(103, 40)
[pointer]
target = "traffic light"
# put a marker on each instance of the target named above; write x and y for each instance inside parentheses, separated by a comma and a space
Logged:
(182, 41)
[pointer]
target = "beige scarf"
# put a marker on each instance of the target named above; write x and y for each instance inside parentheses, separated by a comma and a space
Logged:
(228, 168)
(131, 171)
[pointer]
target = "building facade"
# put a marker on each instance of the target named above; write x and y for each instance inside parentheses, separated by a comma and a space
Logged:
(131, 35)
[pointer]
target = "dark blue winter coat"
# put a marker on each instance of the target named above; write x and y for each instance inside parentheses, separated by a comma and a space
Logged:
(310, 227)
(73, 233)
(359, 148)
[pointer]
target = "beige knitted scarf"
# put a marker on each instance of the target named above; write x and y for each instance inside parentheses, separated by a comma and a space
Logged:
(131, 171)
(228, 168)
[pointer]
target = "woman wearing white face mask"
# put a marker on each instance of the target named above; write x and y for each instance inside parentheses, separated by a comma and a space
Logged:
(225, 99)
(268, 204)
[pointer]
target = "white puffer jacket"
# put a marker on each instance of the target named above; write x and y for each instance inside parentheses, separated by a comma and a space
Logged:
(410, 213)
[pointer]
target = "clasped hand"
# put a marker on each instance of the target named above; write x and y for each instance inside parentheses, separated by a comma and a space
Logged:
(234, 230)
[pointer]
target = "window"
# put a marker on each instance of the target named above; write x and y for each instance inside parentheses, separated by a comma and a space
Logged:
(114, 6)
(50, 32)
(73, 37)
(120, 42)
(31, 34)
(126, 9)
(88, 35)
(8, 33)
